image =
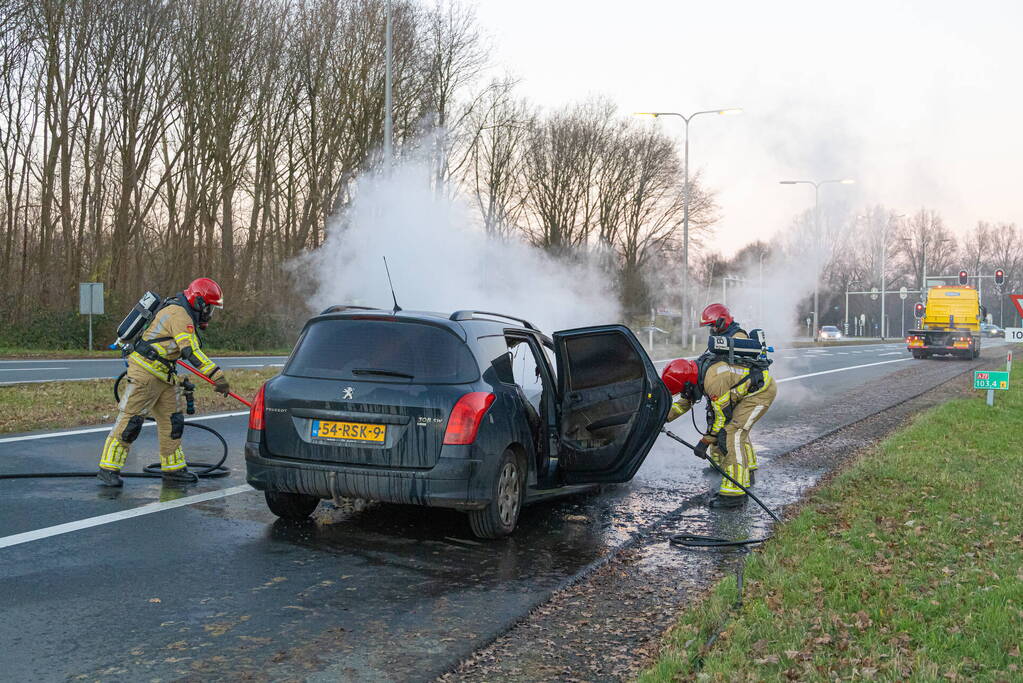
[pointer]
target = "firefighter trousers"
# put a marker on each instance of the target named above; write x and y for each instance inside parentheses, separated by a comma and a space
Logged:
(740, 456)
(146, 394)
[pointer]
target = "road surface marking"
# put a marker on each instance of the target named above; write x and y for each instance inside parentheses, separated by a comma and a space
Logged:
(47, 532)
(94, 430)
(115, 358)
(29, 369)
(55, 379)
(850, 367)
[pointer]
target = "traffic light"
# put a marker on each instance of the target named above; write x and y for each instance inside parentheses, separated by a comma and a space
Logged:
(918, 310)
(999, 277)
(964, 277)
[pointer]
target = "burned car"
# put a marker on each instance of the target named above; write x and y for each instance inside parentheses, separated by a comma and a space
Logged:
(475, 411)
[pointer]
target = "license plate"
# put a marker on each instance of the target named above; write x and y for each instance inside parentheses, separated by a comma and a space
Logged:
(348, 431)
(916, 342)
(961, 345)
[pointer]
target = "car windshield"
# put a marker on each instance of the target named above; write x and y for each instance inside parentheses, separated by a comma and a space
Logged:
(382, 351)
(830, 328)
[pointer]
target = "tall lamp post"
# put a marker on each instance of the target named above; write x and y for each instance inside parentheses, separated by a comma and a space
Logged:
(388, 59)
(817, 235)
(685, 199)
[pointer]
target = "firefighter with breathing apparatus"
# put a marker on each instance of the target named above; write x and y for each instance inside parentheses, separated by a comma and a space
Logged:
(733, 375)
(153, 337)
(720, 321)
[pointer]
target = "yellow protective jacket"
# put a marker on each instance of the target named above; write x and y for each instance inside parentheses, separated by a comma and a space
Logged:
(725, 386)
(172, 334)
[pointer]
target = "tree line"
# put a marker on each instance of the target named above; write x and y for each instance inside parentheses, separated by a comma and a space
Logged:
(149, 141)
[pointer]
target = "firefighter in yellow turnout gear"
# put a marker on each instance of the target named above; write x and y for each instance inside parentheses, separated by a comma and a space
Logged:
(151, 388)
(738, 396)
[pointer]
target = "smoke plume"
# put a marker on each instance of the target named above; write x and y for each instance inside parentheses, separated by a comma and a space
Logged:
(440, 261)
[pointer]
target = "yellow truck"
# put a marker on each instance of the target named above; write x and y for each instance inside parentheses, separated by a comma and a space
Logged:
(950, 325)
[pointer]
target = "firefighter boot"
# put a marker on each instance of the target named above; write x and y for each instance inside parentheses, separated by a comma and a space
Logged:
(180, 477)
(722, 501)
(109, 477)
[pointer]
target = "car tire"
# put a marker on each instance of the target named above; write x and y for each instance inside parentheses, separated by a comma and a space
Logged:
(291, 506)
(501, 514)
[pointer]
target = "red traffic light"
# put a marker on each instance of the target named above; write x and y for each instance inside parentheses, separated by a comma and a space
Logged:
(999, 277)
(918, 310)
(963, 277)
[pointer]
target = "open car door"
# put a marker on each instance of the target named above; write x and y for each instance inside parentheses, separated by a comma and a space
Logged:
(612, 404)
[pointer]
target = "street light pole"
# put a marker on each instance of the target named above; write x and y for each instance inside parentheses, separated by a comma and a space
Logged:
(388, 58)
(685, 199)
(817, 236)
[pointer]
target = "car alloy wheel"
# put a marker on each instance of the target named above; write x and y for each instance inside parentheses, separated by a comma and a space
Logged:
(509, 493)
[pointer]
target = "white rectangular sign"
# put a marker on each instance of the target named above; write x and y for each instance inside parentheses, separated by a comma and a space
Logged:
(1014, 334)
(90, 298)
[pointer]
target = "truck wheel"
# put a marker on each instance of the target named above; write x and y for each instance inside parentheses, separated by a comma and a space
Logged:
(501, 514)
(291, 506)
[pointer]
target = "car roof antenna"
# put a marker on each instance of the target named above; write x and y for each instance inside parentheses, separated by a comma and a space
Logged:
(396, 306)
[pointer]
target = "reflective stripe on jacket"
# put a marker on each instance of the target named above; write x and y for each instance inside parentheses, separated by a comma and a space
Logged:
(175, 330)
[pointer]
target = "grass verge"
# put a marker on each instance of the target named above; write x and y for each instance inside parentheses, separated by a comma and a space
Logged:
(908, 565)
(9, 353)
(57, 405)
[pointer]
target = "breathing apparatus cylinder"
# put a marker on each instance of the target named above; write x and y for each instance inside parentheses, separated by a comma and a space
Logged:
(136, 321)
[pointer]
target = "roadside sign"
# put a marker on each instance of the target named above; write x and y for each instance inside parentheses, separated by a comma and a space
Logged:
(991, 379)
(90, 302)
(1017, 299)
(903, 293)
(90, 298)
(1014, 334)
(873, 293)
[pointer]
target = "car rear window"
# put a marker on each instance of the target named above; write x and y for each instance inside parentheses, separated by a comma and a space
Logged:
(368, 350)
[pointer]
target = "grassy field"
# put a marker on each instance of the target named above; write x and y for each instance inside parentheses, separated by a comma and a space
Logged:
(908, 566)
(28, 354)
(55, 405)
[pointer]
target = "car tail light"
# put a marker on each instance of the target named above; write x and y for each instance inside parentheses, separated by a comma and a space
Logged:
(257, 414)
(465, 418)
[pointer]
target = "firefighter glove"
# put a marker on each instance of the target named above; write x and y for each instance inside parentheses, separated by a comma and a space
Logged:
(701, 450)
(222, 387)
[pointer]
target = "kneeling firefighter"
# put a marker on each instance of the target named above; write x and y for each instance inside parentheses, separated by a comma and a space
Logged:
(739, 391)
(151, 379)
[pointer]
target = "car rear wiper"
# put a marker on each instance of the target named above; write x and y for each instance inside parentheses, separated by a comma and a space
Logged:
(388, 373)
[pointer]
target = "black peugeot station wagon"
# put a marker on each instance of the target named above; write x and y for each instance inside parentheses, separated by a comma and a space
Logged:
(474, 411)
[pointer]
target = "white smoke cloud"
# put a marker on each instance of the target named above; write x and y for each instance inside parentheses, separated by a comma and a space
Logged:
(440, 261)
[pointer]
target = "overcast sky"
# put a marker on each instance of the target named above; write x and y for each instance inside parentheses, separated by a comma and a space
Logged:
(921, 102)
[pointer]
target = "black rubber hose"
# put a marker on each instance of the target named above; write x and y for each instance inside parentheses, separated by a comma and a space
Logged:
(700, 541)
(204, 470)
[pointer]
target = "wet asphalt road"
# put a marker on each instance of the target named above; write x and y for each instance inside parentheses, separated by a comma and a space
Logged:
(33, 371)
(221, 589)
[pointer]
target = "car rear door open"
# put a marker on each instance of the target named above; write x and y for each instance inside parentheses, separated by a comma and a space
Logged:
(612, 404)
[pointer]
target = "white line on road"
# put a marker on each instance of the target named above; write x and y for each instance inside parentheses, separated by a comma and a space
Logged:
(115, 358)
(29, 369)
(850, 367)
(28, 536)
(93, 430)
(47, 381)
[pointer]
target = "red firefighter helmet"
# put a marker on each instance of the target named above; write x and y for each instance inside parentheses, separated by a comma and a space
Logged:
(678, 374)
(204, 295)
(717, 317)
